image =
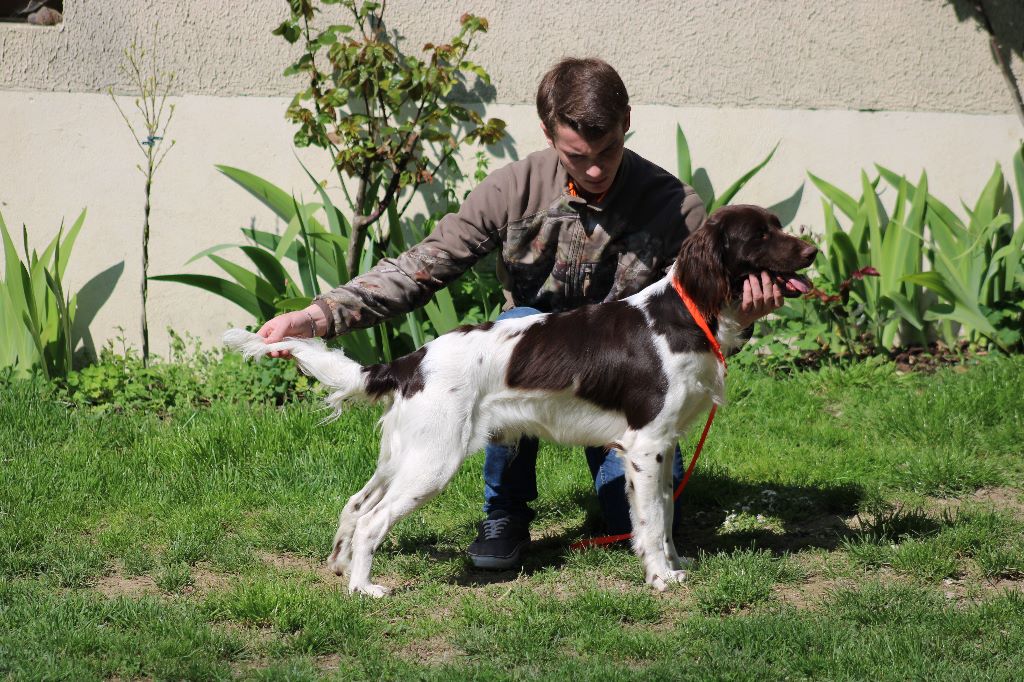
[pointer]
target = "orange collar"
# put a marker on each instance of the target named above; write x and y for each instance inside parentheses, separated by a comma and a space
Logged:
(573, 192)
(716, 348)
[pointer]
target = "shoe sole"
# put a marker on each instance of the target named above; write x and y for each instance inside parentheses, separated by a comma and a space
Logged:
(497, 562)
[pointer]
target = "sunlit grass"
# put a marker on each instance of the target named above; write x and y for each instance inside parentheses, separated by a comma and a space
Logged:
(133, 545)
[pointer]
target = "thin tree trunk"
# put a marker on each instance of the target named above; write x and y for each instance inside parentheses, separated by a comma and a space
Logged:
(145, 262)
(355, 240)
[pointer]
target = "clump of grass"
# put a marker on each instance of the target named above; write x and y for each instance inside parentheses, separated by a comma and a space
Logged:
(174, 577)
(724, 583)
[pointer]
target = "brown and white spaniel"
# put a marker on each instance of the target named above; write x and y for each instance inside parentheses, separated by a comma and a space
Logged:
(634, 373)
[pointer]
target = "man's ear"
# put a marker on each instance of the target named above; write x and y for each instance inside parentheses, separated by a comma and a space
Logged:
(625, 124)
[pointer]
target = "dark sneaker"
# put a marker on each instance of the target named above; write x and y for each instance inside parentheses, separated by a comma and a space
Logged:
(499, 541)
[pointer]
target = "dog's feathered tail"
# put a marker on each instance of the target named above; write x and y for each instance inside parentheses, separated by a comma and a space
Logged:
(330, 367)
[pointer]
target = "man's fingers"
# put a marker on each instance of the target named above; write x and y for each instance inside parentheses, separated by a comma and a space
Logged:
(752, 294)
(767, 290)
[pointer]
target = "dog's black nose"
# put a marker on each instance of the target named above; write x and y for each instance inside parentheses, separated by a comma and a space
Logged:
(808, 252)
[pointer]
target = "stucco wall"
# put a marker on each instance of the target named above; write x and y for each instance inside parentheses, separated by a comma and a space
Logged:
(908, 55)
(902, 83)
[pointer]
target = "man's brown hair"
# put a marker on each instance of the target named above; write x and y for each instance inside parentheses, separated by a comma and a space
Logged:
(586, 95)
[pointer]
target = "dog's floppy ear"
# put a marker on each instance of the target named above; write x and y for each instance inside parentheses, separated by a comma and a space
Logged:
(701, 266)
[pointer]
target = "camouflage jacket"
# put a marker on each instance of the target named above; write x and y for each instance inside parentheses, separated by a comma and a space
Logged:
(558, 251)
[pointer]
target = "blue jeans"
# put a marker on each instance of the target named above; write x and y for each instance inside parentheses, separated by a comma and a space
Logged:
(510, 474)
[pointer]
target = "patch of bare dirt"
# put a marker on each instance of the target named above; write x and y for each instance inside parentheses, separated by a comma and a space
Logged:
(291, 563)
(809, 593)
(432, 651)
(205, 581)
(117, 584)
(1010, 500)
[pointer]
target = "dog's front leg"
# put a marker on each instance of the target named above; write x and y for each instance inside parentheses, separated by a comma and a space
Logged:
(667, 498)
(648, 469)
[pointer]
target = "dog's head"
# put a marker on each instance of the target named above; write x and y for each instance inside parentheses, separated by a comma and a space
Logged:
(734, 242)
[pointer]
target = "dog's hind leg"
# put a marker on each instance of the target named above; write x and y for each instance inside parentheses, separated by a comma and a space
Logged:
(421, 476)
(357, 505)
(648, 487)
(362, 502)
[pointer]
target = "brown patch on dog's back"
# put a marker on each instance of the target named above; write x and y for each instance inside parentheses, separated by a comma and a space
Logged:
(404, 375)
(671, 319)
(605, 351)
(467, 328)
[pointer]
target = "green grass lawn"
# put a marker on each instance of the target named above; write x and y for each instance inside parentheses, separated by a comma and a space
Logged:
(848, 524)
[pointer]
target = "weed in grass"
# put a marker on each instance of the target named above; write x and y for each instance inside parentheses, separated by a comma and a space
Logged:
(174, 577)
(723, 583)
(869, 552)
(81, 635)
(318, 620)
(929, 560)
(1003, 561)
(879, 604)
(892, 522)
(942, 470)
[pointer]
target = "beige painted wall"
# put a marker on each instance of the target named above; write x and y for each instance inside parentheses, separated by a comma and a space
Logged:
(840, 89)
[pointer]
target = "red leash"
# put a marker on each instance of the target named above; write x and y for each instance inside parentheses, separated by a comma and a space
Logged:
(717, 350)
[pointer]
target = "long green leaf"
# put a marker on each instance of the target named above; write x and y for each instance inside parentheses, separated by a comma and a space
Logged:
(307, 257)
(683, 157)
(1018, 173)
(260, 287)
(221, 287)
(60, 358)
(68, 244)
(843, 201)
(206, 252)
(441, 311)
(295, 303)
(907, 310)
(726, 196)
(269, 194)
(269, 267)
(288, 238)
(12, 269)
(987, 206)
(844, 255)
(335, 223)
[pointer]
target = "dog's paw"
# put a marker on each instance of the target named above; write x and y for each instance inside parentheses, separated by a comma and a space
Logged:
(370, 590)
(658, 583)
(338, 561)
(662, 582)
(676, 577)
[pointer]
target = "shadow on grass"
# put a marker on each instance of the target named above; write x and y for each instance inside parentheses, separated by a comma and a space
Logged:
(810, 516)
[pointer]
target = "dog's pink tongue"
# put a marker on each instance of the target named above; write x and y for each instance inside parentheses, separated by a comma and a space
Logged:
(797, 283)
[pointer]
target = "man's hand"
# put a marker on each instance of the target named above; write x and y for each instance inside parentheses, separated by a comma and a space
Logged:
(760, 296)
(301, 324)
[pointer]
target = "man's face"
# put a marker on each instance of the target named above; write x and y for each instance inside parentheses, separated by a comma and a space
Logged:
(592, 164)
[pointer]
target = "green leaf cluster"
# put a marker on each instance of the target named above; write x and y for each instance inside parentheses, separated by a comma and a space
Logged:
(36, 314)
(977, 264)
(193, 377)
(919, 274)
(391, 120)
(699, 180)
(314, 245)
(868, 301)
